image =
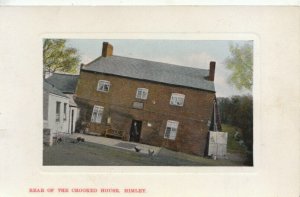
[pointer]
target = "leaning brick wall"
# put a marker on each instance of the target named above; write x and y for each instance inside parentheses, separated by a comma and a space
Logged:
(192, 117)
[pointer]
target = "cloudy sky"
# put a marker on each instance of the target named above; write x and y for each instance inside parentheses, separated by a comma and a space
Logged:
(191, 53)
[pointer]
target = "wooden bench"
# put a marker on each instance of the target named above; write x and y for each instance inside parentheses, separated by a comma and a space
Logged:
(115, 133)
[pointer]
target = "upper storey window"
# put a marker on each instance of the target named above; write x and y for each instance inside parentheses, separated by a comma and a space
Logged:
(177, 99)
(142, 93)
(103, 86)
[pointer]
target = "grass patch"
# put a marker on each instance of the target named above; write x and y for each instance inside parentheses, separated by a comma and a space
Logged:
(232, 145)
(91, 154)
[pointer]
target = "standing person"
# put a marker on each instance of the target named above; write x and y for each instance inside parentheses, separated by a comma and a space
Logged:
(135, 132)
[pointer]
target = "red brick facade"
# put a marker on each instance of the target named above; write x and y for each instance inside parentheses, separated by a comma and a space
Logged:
(193, 116)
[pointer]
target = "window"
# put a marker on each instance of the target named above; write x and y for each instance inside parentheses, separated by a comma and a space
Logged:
(142, 93)
(171, 129)
(177, 99)
(103, 86)
(97, 114)
(65, 111)
(57, 119)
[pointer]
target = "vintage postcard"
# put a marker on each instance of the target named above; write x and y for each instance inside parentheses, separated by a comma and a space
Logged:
(149, 101)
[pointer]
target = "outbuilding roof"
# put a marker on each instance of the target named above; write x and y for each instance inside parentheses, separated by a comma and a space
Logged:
(49, 88)
(152, 71)
(64, 82)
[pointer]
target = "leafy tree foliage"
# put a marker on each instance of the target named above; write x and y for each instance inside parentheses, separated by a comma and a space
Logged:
(241, 64)
(58, 57)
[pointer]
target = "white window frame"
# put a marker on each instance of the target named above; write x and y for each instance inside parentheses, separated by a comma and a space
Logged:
(103, 86)
(142, 93)
(171, 129)
(177, 99)
(97, 114)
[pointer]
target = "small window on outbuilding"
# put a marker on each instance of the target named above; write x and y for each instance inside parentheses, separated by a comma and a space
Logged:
(142, 93)
(57, 112)
(171, 129)
(177, 99)
(65, 111)
(97, 114)
(103, 86)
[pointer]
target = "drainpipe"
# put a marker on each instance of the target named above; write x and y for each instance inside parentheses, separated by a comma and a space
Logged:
(215, 116)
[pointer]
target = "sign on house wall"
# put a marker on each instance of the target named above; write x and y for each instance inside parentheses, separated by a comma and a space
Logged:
(138, 105)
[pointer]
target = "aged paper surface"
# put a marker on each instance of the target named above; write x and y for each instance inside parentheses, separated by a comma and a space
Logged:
(275, 31)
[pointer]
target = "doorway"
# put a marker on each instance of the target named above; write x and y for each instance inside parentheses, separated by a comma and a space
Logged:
(72, 120)
(135, 131)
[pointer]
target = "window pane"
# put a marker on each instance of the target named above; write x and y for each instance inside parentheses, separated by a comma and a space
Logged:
(98, 119)
(142, 93)
(57, 107)
(167, 133)
(171, 129)
(65, 111)
(103, 86)
(172, 135)
(177, 99)
(57, 118)
(97, 114)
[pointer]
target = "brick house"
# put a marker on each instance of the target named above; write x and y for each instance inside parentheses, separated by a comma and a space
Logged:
(149, 102)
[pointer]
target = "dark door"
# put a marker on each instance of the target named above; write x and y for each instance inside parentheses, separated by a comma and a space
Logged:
(135, 131)
(72, 119)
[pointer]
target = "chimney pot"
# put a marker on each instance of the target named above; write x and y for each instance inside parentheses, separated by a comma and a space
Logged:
(107, 49)
(212, 67)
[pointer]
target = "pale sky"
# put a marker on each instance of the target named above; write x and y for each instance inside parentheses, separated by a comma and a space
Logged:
(191, 53)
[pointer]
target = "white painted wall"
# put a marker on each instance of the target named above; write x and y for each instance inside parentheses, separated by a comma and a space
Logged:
(60, 126)
(73, 107)
(217, 144)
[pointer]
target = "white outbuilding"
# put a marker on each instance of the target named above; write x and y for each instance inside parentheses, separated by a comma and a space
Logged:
(56, 110)
(66, 84)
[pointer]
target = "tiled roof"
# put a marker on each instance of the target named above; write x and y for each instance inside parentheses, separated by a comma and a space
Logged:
(64, 82)
(49, 88)
(152, 71)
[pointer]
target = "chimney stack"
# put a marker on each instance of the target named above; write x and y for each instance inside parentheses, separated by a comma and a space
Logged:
(107, 49)
(81, 66)
(212, 67)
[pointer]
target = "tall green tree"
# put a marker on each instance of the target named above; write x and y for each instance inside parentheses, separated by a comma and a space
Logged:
(238, 111)
(58, 57)
(240, 62)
